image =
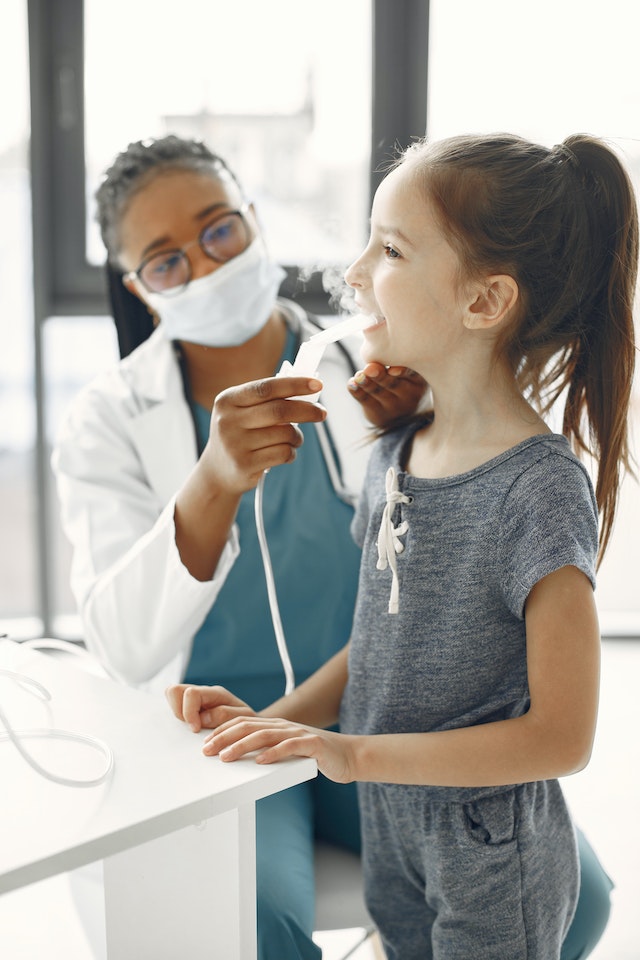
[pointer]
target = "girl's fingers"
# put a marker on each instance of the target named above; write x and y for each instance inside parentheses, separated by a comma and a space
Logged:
(238, 727)
(205, 706)
(273, 740)
(192, 703)
(243, 737)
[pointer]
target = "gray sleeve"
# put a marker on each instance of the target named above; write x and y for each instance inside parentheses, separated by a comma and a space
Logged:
(549, 521)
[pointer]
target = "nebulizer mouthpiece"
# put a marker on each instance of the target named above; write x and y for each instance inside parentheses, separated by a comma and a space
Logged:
(310, 353)
(305, 364)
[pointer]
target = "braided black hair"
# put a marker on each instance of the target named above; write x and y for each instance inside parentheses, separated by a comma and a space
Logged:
(135, 166)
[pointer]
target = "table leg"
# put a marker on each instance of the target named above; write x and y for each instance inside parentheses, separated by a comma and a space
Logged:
(188, 893)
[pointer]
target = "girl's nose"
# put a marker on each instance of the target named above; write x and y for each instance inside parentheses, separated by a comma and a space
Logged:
(352, 275)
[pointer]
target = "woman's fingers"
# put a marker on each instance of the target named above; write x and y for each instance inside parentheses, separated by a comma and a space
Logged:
(271, 400)
(387, 393)
(254, 427)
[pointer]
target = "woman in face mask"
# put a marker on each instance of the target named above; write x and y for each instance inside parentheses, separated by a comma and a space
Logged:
(156, 465)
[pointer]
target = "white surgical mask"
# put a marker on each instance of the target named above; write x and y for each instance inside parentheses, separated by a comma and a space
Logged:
(227, 307)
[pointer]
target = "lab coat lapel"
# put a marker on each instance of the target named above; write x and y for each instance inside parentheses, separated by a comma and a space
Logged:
(165, 440)
(162, 431)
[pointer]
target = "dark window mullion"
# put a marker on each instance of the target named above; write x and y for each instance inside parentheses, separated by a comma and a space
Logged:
(399, 79)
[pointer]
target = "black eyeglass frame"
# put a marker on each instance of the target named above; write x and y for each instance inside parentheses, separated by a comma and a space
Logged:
(173, 291)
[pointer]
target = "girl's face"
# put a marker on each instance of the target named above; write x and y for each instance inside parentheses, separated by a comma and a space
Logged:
(409, 277)
(170, 212)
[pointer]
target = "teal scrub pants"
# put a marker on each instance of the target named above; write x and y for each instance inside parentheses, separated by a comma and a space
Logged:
(287, 824)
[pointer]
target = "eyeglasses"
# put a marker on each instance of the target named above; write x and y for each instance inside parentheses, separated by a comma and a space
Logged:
(222, 239)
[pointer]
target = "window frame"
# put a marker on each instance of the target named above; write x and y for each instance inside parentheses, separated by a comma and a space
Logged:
(69, 285)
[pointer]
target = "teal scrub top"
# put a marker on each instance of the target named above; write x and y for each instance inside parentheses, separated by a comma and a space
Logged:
(315, 564)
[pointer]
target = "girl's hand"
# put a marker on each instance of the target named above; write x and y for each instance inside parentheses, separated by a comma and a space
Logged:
(205, 707)
(277, 739)
(387, 393)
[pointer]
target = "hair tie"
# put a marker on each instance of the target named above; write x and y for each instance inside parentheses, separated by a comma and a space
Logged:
(565, 154)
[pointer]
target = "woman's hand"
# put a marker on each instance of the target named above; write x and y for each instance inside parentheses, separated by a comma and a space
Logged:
(276, 739)
(254, 427)
(205, 708)
(387, 393)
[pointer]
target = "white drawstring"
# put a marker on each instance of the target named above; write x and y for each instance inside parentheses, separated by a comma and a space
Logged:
(388, 537)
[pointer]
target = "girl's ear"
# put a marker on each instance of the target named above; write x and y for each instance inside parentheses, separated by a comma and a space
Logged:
(495, 300)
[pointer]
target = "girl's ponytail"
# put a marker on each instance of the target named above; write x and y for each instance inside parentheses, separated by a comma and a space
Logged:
(600, 377)
(564, 224)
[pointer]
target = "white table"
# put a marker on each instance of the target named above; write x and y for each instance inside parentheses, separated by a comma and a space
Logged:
(176, 829)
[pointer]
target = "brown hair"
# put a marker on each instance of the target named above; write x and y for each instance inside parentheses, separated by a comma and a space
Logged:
(564, 224)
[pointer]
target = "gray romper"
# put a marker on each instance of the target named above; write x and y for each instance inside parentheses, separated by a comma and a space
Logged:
(487, 873)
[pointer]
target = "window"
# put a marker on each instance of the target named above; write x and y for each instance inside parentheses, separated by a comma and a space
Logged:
(296, 97)
(18, 559)
(360, 72)
(574, 74)
(282, 93)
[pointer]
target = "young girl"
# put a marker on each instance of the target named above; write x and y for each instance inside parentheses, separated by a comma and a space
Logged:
(504, 273)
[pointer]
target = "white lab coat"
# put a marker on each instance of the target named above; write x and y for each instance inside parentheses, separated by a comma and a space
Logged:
(125, 449)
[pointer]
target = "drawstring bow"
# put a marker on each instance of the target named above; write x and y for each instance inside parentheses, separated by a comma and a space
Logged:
(388, 542)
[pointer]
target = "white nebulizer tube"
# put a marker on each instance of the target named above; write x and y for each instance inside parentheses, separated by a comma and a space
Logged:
(305, 364)
(17, 736)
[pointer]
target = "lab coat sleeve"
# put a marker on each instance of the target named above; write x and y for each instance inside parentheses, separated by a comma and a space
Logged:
(139, 604)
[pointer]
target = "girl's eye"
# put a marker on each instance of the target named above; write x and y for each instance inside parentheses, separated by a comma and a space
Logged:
(390, 252)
